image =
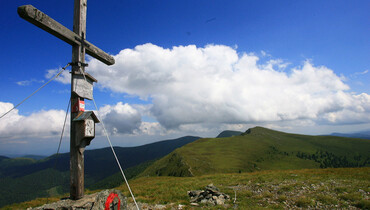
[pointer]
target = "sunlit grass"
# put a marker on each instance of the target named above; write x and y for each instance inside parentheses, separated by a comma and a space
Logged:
(302, 188)
(33, 203)
(262, 149)
(309, 188)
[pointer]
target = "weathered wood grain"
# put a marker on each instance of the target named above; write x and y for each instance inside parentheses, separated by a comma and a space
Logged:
(43, 21)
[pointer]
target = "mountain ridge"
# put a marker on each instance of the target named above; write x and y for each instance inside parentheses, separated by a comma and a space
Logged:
(261, 149)
(228, 133)
(360, 134)
(16, 173)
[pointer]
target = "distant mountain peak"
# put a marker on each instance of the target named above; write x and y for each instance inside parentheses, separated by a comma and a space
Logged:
(258, 130)
(361, 134)
(229, 133)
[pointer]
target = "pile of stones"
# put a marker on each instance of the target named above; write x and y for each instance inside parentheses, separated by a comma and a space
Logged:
(211, 195)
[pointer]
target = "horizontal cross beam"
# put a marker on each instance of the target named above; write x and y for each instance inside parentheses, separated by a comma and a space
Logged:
(43, 21)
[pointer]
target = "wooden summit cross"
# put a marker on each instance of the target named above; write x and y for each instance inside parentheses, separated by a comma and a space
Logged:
(82, 123)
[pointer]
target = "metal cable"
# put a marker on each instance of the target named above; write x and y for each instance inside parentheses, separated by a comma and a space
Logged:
(35, 91)
(96, 107)
(110, 144)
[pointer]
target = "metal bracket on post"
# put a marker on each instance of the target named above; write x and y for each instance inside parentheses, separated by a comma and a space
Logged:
(79, 64)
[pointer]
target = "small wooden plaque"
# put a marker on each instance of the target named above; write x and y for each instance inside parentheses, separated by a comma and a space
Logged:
(83, 88)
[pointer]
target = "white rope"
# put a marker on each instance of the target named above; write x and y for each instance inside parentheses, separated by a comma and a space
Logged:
(110, 144)
(35, 91)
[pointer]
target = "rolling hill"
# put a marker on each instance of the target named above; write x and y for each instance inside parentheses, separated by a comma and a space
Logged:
(26, 178)
(262, 149)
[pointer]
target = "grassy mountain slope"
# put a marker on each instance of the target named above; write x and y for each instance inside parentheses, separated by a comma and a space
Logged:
(3, 158)
(99, 164)
(35, 157)
(116, 179)
(262, 149)
(10, 165)
(43, 183)
(228, 133)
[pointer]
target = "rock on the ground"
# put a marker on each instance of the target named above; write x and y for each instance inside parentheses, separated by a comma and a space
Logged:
(210, 195)
(94, 201)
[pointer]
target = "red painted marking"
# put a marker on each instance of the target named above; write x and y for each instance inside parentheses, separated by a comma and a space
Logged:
(79, 106)
(110, 199)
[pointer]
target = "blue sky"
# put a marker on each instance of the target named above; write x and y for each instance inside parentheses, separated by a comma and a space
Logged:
(191, 68)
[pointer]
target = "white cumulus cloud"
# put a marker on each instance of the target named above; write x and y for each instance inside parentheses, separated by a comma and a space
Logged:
(29, 82)
(216, 84)
(64, 77)
(120, 118)
(43, 123)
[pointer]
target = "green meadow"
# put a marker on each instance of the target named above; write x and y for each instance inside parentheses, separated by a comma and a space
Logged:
(340, 188)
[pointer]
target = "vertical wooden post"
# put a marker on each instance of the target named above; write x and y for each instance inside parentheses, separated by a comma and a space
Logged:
(78, 59)
(79, 46)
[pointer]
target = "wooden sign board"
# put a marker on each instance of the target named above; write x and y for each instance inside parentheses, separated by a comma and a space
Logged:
(86, 124)
(83, 88)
